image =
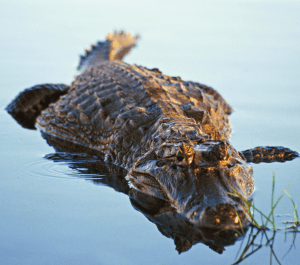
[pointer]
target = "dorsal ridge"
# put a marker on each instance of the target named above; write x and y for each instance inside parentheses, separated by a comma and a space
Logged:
(115, 47)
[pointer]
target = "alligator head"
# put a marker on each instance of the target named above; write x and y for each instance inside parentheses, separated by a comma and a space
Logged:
(197, 180)
(173, 224)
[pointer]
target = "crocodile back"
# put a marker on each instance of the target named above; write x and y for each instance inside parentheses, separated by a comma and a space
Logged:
(120, 110)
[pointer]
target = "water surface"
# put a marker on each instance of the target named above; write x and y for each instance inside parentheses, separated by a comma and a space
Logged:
(248, 51)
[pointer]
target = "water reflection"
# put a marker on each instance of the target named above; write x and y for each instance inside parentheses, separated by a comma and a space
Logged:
(168, 221)
(160, 212)
(258, 238)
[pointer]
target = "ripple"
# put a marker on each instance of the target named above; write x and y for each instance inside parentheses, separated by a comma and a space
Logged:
(42, 167)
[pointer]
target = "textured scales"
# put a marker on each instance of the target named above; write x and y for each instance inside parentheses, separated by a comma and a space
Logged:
(28, 104)
(124, 111)
(172, 136)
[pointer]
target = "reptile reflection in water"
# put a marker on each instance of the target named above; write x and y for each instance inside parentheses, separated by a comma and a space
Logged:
(168, 220)
(171, 135)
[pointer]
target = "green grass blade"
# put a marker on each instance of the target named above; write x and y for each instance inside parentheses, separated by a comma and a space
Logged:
(296, 216)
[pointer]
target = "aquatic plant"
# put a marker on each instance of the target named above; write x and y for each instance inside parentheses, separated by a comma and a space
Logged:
(259, 234)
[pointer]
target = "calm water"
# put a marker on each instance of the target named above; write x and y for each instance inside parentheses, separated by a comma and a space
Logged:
(249, 51)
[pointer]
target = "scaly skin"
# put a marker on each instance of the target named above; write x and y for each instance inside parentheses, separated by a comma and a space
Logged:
(28, 105)
(172, 136)
(269, 154)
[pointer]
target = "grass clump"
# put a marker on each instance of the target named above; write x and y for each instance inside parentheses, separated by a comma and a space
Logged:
(260, 229)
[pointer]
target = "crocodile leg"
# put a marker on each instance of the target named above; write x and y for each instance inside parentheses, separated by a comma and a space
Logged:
(269, 154)
(28, 105)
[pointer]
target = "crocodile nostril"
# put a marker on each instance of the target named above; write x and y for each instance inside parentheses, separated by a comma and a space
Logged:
(208, 208)
(223, 214)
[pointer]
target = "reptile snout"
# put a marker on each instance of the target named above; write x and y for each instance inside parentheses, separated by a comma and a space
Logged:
(223, 215)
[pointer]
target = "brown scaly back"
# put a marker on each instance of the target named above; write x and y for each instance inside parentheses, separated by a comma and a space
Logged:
(116, 46)
(124, 110)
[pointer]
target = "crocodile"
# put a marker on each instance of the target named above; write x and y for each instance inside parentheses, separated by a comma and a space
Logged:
(160, 212)
(172, 136)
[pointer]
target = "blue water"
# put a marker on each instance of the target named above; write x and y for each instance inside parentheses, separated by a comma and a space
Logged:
(248, 50)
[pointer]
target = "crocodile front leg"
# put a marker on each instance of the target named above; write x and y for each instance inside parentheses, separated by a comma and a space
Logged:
(269, 154)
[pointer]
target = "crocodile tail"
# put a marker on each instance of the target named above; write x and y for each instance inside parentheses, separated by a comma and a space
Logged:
(28, 105)
(269, 154)
(116, 46)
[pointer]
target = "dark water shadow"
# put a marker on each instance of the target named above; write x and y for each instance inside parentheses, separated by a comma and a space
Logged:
(160, 212)
(168, 221)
